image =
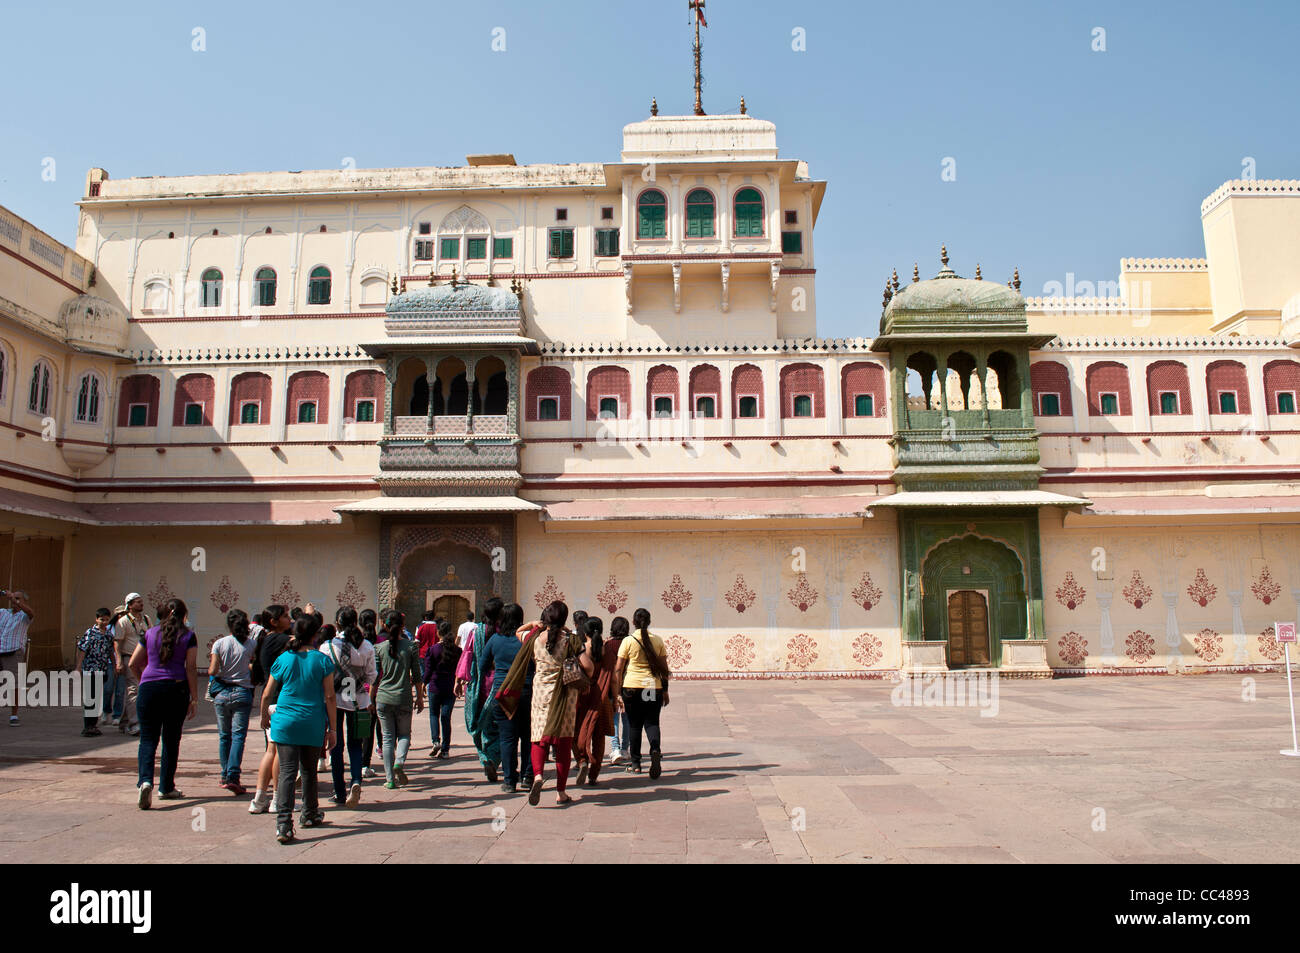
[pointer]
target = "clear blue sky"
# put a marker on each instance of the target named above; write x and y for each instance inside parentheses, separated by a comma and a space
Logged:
(1066, 159)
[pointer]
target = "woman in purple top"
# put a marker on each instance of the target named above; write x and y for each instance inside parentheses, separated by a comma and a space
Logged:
(164, 662)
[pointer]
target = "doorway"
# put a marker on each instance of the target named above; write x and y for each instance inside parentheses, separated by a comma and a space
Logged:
(968, 629)
(450, 606)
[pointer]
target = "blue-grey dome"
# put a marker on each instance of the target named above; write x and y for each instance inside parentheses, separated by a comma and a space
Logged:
(454, 298)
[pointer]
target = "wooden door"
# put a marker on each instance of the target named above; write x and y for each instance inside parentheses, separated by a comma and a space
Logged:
(455, 609)
(968, 629)
(35, 564)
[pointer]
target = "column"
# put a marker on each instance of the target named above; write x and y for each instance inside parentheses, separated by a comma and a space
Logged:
(726, 404)
(834, 397)
(724, 213)
(430, 370)
(625, 230)
(1240, 654)
(337, 375)
(675, 213)
(1107, 631)
(1258, 398)
(166, 403)
(279, 402)
(221, 403)
(1199, 393)
(639, 411)
(1078, 393)
(773, 213)
(772, 409)
(685, 412)
(1137, 390)
(471, 386)
(1173, 634)
(390, 387)
(578, 400)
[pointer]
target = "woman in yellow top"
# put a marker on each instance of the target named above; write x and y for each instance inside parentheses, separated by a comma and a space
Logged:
(642, 676)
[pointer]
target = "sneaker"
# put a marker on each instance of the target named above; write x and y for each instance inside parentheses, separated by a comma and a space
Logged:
(368, 772)
(400, 774)
(146, 796)
(535, 792)
(655, 768)
(491, 771)
(615, 757)
(284, 833)
(315, 819)
(390, 785)
(582, 773)
(335, 800)
(13, 721)
(354, 797)
(173, 795)
(509, 788)
(133, 730)
(444, 753)
(259, 805)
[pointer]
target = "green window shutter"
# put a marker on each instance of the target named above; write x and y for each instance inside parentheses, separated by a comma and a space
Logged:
(193, 415)
(1168, 403)
(307, 413)
(663, 406)
(803, 406)
(424, 251)
(139, 416)
(749, 214)
(365, 411)
(548, 409)
(1109, 405)
(699, 214)
(557, 243)
(863, 406)
(1286, 403)
(1050, 405)
(503, 248)
(608, 407)
(749, 406)
(606, 242)
(704, 407)
(561, 243)
(450, 249)
(650, 215)
(792, 243)
(475, 249)
(1227, 403)
(248, 414)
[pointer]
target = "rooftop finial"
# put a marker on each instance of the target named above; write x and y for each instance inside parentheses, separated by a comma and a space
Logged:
(916, 272)
(433, 277)
(654, 106)
(943, 255)
(742, 105)
(698, 7)
(888, 294)
(978, 276)
(394, 285)
(1015, 280)
(894, 281)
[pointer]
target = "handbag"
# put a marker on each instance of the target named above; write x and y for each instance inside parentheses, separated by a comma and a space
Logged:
(572, 674)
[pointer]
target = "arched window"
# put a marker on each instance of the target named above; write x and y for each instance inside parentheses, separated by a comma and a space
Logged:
(803, 391)
(88, 399)
(699, 214)
(264, 288)
(250, 398)
(651, 215)
(862, 384)
(1050, 383)
(157, 294)
(4, 375)
(609, 392)
(363, 396)
(705, 390)
(747, 390)
(137, 401)
(308, 398)
(547, 390)
(661, 390)
(212, 288)
(1169, 391)
(195, 397)
(1281, 386)
(318, 286)
(749, 214)
(38, 394)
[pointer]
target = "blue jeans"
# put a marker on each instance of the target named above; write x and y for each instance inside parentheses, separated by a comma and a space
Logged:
(515, 735)
(440, 710)
(355, 752)
(233, 706)
(621, 733)
(161, 708)
(115, 699)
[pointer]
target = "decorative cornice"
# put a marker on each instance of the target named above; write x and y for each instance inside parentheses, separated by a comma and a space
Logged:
(252, 354)
(1163, 264)
(1171, 343)
(627, 348)
(1251, 187)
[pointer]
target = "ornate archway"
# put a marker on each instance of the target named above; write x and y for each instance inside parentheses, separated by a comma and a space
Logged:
(973, 564)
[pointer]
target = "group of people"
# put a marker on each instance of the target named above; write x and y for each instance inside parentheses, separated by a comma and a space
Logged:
(331, 693)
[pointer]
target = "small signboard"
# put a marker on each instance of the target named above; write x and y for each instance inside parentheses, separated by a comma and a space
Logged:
(1284, 631)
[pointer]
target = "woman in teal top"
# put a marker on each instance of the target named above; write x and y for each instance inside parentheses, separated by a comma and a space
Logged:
(302, 723)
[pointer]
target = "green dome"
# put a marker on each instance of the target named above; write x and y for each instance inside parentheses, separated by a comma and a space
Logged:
(955, 294)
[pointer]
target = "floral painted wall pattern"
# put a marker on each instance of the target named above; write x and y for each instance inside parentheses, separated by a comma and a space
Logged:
(1070, 594)
(802, 651)
(549, 593)
(1201, 591)
(866, 593)
(740, 596)
(1137, 593)
(676, 597)
(867, 650)
(1209, 645)
(1264, 588)
(739, 651)
(224, 597)
(352, 595)
(611, 598)
(1140, 647)
(1073, 648)
(803, 596)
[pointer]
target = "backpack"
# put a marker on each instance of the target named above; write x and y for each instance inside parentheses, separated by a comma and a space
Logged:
(341, 672)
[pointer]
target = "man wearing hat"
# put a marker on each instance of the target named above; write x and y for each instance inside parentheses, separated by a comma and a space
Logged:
(130, 633)
(13, 639)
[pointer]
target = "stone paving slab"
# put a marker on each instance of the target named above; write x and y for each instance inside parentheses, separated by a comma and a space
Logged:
(1179, 770)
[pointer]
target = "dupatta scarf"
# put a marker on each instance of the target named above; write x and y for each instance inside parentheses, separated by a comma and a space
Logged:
(508, 695)
(480, 724)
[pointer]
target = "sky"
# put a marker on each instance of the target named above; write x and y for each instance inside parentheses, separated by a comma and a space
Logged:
(1061, 158)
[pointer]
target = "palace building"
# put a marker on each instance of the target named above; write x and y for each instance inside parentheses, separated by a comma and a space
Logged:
(603, 382)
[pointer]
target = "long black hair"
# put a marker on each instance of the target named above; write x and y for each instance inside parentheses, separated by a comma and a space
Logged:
(304, 633)
(641, 621)
(237, 623)
(594, 628)
(511, 618)
(171, 629)
(619, 628)
(367, 620)
(346, 620)
(553, 617)
(394, 621)
(492, 617)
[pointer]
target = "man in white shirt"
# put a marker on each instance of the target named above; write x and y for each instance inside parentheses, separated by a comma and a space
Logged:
(465, 631)
(13, 640)
(130, 633)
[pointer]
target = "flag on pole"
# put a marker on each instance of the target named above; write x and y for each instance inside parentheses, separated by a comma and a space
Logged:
(698, 7)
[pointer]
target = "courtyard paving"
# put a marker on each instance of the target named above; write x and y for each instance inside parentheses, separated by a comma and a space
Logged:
(1096, 770)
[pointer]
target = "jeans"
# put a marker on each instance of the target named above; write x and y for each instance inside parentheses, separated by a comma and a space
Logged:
(440, 711)
(642, 706)
(397, 736)
(233, 706)
(293, 759)
(162, 709)
(112, 706)
(355, 756)
(620, 733)
(514, 734)
(376, 736)
(130, 690)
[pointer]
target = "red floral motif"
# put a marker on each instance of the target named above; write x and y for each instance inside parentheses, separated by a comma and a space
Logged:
(676, 597)
(803, 651)
(352, 595)
(1137, 593)
(866, 593)
(803, 596)
(679, 651)
(1264, 588)
(867, 649)
(739, 651)
(224, 597)
(1269, 646)
(1209, 645)
(160, 595)
(1073, 648)
(549, 593)
(740, 595)
(1070, 594)
(286, 595)
(1140, 647)
(611, 598)
(1200, 590)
